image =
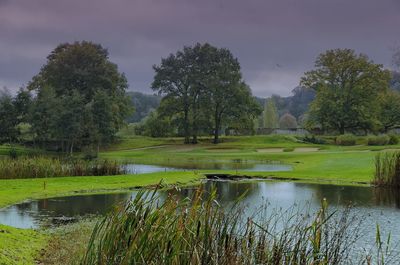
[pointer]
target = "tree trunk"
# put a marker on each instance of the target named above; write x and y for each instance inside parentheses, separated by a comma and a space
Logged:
(71, 148)
(186, 127)
(216, 129)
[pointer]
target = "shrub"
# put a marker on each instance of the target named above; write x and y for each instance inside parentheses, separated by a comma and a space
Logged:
(393, 139)
(13, 153)
(312, 139)
(346, 140)
(378, 140)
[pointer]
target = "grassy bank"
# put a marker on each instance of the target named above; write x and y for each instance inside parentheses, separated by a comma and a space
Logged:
(20, 246)
(14, 191)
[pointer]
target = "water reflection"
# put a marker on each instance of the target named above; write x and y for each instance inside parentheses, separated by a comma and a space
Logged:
(254, 167)
(378, 204)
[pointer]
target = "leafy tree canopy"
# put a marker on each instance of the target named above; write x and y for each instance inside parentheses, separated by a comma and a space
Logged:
(347, 86)
(80, 96)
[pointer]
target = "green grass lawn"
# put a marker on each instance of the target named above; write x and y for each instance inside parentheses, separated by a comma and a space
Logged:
(337, 164)
(14, 191)
(20, 246)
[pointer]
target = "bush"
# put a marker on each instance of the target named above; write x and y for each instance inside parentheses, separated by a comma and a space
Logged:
(393, 139)
(346, 140)
(378, 140)
(312, 139)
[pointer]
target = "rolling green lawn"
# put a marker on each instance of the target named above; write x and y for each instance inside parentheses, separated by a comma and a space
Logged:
(352, 165)
(337, 164)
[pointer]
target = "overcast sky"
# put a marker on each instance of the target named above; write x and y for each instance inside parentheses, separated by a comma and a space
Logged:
(276, 41)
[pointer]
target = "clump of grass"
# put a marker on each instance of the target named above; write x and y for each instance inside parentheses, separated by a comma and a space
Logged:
(346, 140)
(198, 231)
(67, 243)
(387, 169)
(43, 167)
(378, 140)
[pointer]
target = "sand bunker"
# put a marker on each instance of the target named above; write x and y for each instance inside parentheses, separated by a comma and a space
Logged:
(306, 149)
(270, 150)
(223, 150)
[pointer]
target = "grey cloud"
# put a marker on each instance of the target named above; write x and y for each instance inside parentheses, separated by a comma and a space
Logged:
(261, 33)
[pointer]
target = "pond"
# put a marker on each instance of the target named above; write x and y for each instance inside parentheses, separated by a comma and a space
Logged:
(373, 206)
(239, 166)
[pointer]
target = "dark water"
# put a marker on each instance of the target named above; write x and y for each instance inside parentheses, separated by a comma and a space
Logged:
(373, 205)
(254, 167)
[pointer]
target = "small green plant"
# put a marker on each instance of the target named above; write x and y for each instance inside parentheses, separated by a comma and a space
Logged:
(378, 140)
(346, 140)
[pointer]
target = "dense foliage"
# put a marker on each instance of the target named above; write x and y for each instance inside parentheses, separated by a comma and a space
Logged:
(144, 105)
(203, 89)
(348, 86)
(76, 101)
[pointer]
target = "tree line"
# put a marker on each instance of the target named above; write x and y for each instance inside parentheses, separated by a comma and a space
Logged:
(79, 99)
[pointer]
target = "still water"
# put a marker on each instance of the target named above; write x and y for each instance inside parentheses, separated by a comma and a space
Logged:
(373, 206)
(252, 167)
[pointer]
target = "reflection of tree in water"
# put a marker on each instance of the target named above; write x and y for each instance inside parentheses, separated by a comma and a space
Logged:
(387, 197)
(342, 195)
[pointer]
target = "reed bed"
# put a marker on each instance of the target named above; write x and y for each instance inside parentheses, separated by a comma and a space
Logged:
(44, 167)
(199, 231)
(387, 169)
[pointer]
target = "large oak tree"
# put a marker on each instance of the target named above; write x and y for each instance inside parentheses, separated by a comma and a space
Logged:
(347, 88)
(203, 84)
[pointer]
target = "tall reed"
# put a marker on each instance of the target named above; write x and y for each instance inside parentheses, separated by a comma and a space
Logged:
(44, 167)
(387, 169)
(199, 231)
